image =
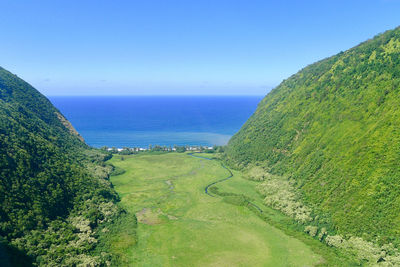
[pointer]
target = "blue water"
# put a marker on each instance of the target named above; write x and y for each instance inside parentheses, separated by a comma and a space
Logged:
(138, 121)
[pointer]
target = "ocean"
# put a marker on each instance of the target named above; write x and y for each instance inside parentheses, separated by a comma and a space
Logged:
(140, 121)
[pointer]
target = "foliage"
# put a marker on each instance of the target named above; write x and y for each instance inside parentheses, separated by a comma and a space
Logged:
(231, 198)
(180, 149)
(280, 194)
(117, 171)
(333, 129)
(256, 173)
(49, 179)
(366, 253)
(311, 230)
(110, 234)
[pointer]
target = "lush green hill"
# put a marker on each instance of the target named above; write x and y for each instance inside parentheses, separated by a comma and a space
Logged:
(333, 131)
(54, 189)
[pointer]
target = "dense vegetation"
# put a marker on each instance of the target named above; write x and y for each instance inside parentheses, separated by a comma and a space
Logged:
(332, 133)
(54, 190)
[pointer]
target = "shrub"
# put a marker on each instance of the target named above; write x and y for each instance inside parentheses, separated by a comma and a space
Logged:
(281, 195)
(311, 230)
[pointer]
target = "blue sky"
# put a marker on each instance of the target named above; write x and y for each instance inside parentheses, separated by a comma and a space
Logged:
(179, 47)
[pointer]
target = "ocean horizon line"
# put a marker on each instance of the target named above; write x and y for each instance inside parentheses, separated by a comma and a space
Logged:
(126, 121)
(235, 95)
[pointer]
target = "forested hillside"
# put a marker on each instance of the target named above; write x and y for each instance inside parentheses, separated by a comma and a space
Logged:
(54, 189)
(331, 132)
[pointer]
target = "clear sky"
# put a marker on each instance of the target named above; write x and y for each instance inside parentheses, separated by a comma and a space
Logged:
(179, 47)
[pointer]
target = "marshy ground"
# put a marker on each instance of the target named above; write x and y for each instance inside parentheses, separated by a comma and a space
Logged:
(180, 225)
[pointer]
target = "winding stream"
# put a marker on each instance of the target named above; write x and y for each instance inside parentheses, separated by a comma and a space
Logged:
(221, 180)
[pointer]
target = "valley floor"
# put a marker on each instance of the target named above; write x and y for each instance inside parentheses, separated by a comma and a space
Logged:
(180, 225)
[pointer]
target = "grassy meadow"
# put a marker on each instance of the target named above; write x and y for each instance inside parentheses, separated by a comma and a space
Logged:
(180, 225)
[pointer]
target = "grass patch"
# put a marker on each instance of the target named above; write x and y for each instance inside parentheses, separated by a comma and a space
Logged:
(179, 225)
(242, 186)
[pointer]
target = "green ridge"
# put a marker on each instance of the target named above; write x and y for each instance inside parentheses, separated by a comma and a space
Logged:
(53, 187)
(334, 129)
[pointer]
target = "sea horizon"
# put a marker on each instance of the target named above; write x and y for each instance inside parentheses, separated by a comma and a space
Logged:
(165, 120)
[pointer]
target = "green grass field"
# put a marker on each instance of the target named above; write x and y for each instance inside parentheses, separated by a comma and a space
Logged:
(180, 225)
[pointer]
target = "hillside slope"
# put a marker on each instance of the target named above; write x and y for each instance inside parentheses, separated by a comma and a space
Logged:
(54, 189)
(333, 130)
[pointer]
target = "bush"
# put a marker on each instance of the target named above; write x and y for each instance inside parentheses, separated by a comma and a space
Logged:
(117, 171)
(256, 173)
(280, 194)
(311, 230)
